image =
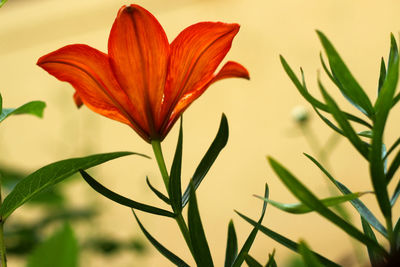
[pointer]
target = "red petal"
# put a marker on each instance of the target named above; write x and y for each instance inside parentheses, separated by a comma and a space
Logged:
(229, 70)
(195, 55)
(138, 50)
(89, 72)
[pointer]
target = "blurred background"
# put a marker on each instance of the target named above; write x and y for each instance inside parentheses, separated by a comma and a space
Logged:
(258, 111)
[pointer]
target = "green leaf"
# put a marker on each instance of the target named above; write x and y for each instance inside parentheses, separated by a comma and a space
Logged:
(2, 2)
(300, 208)
(211, 155)
(365, 134)
(382, 75)
(393, 147)
(309, 199)
(35, 108)
(308, 257)
(313, 101)
(60, 249)
(201, 251)
(175, 188)
(345, 80)
(252, 236)
(123, 200)
(163, 250)
(50, 175)
(328, 122)
(231, 246)
(394, 166)
(284, 241)
(271, 260)
(375, 258)
(1, 104)
(396, 194)
(252, 262)
(382, 108)
(357, 204)
(157, 192)
(344, 124)
(396, 234)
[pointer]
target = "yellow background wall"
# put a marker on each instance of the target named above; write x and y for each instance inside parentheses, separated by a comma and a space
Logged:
(258, 112)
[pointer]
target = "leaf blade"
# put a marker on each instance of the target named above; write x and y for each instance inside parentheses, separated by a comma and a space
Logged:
(35, 108)
(231, 245)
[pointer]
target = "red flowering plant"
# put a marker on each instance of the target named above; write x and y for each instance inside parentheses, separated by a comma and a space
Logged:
(147, 83)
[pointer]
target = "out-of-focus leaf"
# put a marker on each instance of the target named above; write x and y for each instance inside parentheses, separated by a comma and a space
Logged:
(158, 193)
(345, 80)
(35, 108)
(2, 2)
(1, 104)
(163, 250)
(344, 124)
(382, 108)
(309, 199)
(201, 251)
(271, 260)
(300, 208)
(357, 204)
(252, 236)
(285, 241)
(313, 101)
(175, 188)
(231, 245)
(252, 262)
(307, 255)
(123, 200)
(375, 258)
(382, 75)
(50, 175)
(211, 155)
(60, 250)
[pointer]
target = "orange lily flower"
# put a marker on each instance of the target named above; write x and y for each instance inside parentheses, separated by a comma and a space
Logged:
(144, 81)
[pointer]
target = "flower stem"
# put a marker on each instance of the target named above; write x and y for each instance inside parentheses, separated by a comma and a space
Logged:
(3, 258)
(164, 173)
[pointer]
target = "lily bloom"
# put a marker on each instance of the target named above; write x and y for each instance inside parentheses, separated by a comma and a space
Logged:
(144, 81)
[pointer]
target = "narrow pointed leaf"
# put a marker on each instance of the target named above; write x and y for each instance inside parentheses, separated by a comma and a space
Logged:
(313, 101)
(382, 108)
(375, 258)
(309, 199)
(175, 188)
(395, 194)
(157, 192)
(164, 251)
(99, 188)
(344, 124)
(1, 104)
(252, 236)
(201, 250)
(396, 234)
(329, 123)
(252, 262)
(35, 108)
(382, 75)
(393, 147)
(61, 249)
(394, 166)
(231, 245)
(308, 257)
(345, 80)
(357, 204)
(207, 161)
(300, 208)
(50, 175)
(365, 134)
(271, 260)
(285, 241)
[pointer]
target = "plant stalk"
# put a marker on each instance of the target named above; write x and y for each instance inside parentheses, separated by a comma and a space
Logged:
(164, 173)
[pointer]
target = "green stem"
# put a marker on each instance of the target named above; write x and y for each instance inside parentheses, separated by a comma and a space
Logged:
(3, 258)
(164, 173)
